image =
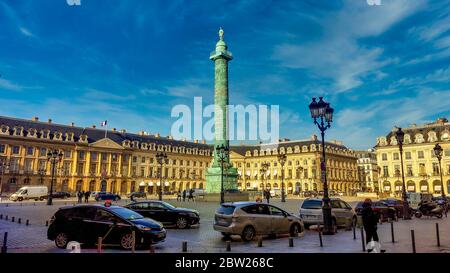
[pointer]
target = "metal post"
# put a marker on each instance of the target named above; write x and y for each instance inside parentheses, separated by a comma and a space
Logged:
(46, 223)
(133, 246)
(13, 219)
(392, 232)
(354, 232)
(228, 246)
(19, 221)
(260, 241)
(222, 193)
(5, 240)
(328, 225)
(1, 216)
(320, 238)
(6, 217)
(413, 240)
(27, 222)
(99, 244)
(363, 240)
(184, 246)
(437, 235)
(50, 198)
(291, 242)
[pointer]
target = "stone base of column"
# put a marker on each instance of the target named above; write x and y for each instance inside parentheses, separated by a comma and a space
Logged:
(214, 179)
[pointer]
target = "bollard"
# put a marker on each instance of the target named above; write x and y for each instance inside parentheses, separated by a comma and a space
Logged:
(228, 245)
(291, 242)
(354, 232)
(19, 221)
(133, 244)
(260, 241)
(413, 240)
(5, 240)
(320, 235)
(6, 217)
(152, 249)
(362, 240)
(392, 232)
(13, 219)
(27, 222)
(99, 245)
(184, 246)
(46, 223)
(34, 204)
(1, 216)
(437, 235)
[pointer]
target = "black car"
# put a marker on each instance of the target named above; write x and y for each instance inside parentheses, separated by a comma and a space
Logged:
(139, 194)
(85, 223)
(61, 194)
(107, 196)
(166, 213)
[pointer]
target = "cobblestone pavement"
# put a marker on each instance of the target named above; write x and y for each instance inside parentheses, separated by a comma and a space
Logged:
(203, 238)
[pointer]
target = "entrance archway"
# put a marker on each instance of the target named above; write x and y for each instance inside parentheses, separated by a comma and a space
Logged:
(79, 185)
(103, 185)
(65, 185)
(387, 186)
(437, 186)
(123, 187)
(290, 189)
(411, 186)
(113, 186)
(92, 185)
(424, 186)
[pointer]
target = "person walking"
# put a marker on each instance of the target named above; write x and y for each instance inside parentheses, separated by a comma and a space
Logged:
(80, 196)
(370, 222)
(184, 195)
(86, 196)
(267, 193)
(178, 195)
(191, 195)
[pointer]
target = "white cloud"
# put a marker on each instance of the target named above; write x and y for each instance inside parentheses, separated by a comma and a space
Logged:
(26, 32)
(5, 84)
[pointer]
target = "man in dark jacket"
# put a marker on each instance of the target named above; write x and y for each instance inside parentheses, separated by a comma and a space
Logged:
(370, 222)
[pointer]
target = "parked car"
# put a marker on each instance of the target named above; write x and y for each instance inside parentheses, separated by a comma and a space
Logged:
(138, 194)
(275, 193)
(61, 194)
(310, 194)
(397, 205)
(380, 209)
(85, 223)
(341, 212)
(107, 196)
(249, 219)
(93, 194)
(166, 213)
(30, 192)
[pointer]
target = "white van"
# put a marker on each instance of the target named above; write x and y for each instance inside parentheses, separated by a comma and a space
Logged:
(30, 192)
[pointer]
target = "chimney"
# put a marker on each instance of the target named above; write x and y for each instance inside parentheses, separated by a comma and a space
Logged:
(203, 141)
(49, 120)
(114, 129)
(141, 133)
(169, 137)
(72, 124)
(93, 126)
(35, 119)
(123, 131)
(157, 135)
(196, 141)
(314, 137)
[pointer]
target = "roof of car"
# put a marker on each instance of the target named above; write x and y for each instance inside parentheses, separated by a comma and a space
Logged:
(320, 199)
(241, 203)
(90, 205)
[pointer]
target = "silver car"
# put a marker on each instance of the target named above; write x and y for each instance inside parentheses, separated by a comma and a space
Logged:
(341, 212)
(249, 219)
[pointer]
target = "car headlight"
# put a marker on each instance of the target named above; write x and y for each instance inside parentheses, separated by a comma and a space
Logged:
(142, 227)
(192, 214)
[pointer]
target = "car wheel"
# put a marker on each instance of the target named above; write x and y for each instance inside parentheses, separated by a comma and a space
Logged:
(248, 233)
(126, 241)
(295, 230)
(41, 198)
(61, 240)
(20, 199)
(36, 199)
(306, 226)
(116, 198)
(181, 223)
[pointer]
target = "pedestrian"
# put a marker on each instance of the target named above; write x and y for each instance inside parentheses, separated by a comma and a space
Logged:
(132, 197)
(80, 196)
(268, 196)
(370, 222)
(178, 195)
(184, 195)
(86, 196)
(191, 195)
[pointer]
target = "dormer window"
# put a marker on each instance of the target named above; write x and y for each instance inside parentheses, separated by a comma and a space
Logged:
(57, 136)
(4, 129)
(407, 139)
(32, 132)
(83, 138)
(419, 138)
(393, 140)
(432, 136)
(45, 134)
(126, 143)
(69, 136)
(18, 131)
(304, 148)
(313, 147)
(144, 146)
(445, 135)
(289, 150)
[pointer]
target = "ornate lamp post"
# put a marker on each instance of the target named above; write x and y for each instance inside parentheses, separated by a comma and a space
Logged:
(263, 172)
(438, 152)
(400, 137)
(4, 165)
(54, 157)
(222, 152)
(282, 160)
(322, 114)
(161, 159)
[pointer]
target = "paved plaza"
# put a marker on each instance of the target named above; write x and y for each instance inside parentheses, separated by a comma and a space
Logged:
(203, 239)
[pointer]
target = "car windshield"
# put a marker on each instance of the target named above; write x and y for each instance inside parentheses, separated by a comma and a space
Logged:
(312, 204)
(127, 214)
(227, 210)
(168, 205)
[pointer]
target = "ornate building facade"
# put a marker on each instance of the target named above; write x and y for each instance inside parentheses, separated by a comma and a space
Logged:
(368, 170)
(421, 167)
(123, 162)
(119, 162)
(302, 167)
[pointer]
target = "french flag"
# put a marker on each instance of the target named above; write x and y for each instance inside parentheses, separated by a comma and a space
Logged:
(104, 123)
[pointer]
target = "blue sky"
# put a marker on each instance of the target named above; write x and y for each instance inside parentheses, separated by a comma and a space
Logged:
(130, 62)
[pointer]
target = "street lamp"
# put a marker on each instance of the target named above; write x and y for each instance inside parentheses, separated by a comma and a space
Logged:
(322, 114)
(161, 159)
(438, 152)
(54, 157)
(222, 152)
(400, 137)
(263, 171)
(282, 160)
